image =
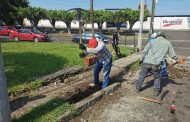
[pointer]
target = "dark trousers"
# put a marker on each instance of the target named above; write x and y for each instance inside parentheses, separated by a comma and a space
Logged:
(116, 49)
(144, 72)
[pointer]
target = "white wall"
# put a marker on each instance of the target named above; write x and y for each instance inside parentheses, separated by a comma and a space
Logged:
(60, 24)
(171, 23)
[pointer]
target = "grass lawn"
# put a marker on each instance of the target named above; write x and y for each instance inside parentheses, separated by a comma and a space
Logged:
(26, 61)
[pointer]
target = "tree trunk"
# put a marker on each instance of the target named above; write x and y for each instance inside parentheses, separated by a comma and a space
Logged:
(20, 21)
(118, 28)
(10, 22)
(82, 26)
(99, 26)
(4, 103)
(131, 25)
(68, 28)
(53, 24)
(35, 23)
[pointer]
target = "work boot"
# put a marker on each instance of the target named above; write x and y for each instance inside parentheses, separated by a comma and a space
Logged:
(98, 87)
(136, 90)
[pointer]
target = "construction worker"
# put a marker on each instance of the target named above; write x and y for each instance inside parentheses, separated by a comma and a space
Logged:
(153, 54)
(115, 43)
(164, 62)
(104, 60)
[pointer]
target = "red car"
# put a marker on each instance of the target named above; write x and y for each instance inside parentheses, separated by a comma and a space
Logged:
(29, 35)
(7, 30)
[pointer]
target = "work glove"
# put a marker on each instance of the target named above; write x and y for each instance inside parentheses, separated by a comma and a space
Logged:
(180, 61)
(82, 47)
(82, 55)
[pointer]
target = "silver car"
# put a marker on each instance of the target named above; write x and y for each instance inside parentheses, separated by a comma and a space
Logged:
(88, 35)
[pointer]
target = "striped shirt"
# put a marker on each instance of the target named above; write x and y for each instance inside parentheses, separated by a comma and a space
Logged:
(101, 51)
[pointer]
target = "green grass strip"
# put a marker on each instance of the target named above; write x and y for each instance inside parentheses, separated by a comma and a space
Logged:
(48, 112)
(26, 61)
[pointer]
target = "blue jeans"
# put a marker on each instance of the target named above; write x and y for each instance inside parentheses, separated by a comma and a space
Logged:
(157, 76)
(164, 70)
(106, 71)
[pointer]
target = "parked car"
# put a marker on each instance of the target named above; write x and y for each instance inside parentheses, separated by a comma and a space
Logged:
(29, 35)
(7, 30)
(17, 26)
(88, 35)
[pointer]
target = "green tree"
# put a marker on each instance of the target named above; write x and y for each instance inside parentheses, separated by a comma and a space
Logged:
(67, 17)
(8, 9)
(53, 16)
(21, 14)
(34, 14)
(132, 16)
(100, 16)
(119, 18)
(85, 19)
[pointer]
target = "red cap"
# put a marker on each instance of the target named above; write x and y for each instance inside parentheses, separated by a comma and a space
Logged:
(92, 43)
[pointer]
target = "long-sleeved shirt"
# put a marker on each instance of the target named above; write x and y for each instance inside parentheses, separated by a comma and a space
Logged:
(101, 51)
(155, 51)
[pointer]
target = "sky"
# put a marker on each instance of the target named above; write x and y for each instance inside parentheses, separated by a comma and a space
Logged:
(163, 7)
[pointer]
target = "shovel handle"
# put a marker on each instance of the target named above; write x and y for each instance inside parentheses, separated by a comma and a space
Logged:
(150, 100)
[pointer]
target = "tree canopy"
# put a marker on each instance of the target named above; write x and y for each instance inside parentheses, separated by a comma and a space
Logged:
(9, 9)
(12, 10)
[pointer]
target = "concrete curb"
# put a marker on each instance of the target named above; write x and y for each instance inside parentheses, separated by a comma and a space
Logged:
(84, 104)
(62, 74)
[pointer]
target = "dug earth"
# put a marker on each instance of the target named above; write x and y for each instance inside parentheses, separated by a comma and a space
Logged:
(124, 105)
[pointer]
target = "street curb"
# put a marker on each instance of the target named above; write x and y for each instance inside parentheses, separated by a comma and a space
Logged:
(84, 104)
(62, 74)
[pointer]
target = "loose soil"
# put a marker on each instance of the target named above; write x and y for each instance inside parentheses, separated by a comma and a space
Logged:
(124, 105)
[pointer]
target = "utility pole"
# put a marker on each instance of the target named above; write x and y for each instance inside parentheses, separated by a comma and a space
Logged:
(79, 20)
(139, 45)
(152, 18)
(4, 102)
(92, 16)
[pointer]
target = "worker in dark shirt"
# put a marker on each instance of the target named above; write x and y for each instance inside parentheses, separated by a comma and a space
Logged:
(115, 43)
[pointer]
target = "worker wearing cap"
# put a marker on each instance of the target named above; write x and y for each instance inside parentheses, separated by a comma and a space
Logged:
(104, 60)
(153, 54)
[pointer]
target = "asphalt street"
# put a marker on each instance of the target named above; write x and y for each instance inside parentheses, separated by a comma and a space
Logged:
(180, 41)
